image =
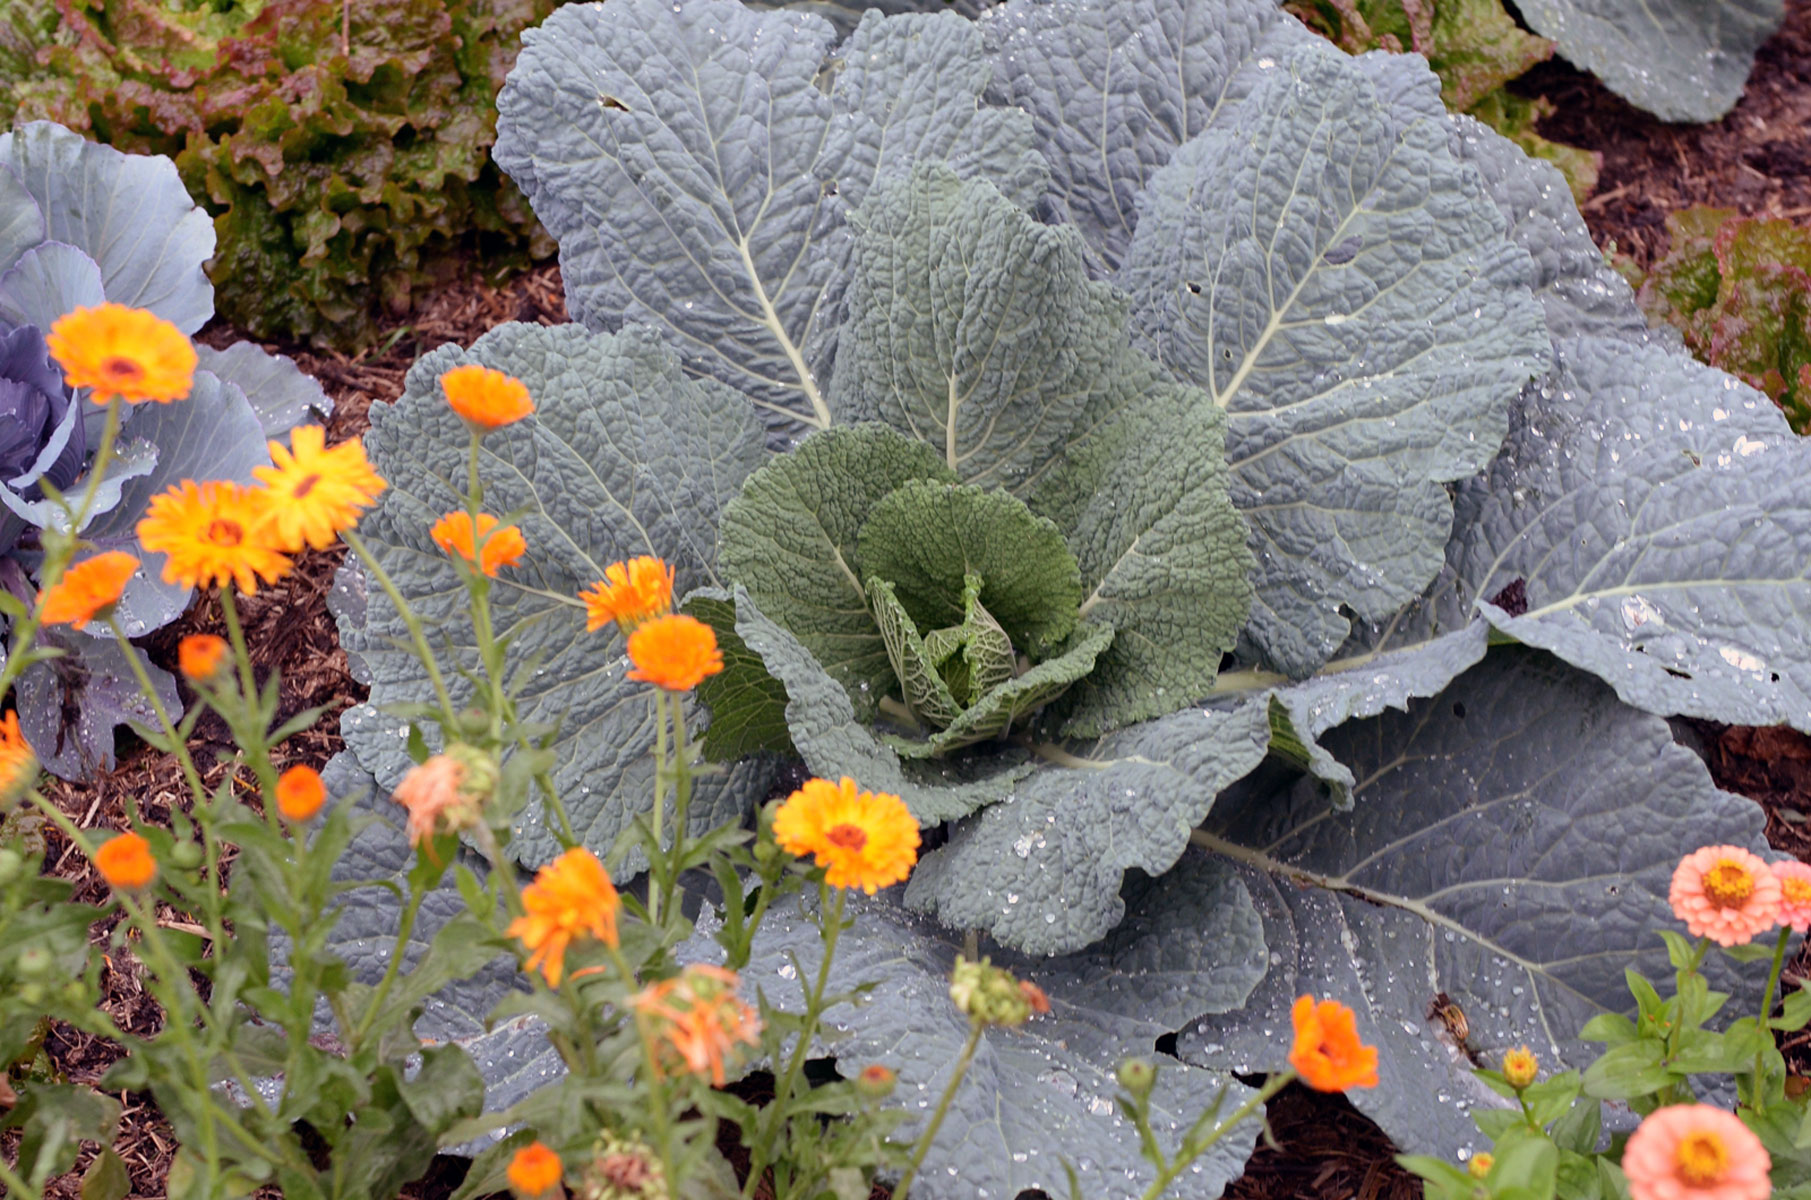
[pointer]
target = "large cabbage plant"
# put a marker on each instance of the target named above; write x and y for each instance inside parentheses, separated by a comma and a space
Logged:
(1230, 499)
(80, 224)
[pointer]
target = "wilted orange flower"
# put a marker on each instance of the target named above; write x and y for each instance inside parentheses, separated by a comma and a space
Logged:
(675, 652)
(502, 547)
(862, 839)
(199, 656)
(125, 862)
(534, 1171)
(212, 533)
(300, 793)
(630, 593)
(316, 493)
(1327, 1053)
(125, 352)
(1520, 1067)
(571, 897)
(18, 765)
(88, 588)
(699, 1020)
(1696, 1152)
(1795, 894)
(1034, 996)
(484, 398)
(1726, 894)
(431, 792)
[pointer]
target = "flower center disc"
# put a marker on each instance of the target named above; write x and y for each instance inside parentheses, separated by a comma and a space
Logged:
(1728, 884)
(307, 485)
(121, 369)
(849, 837)
(225, 533)
(1701, 1158)
(1797, 891)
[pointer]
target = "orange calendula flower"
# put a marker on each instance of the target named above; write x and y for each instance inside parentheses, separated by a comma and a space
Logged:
(1726, 894)
(1696, 1152)
(125, 862)
(18, 765)
(316, 492)
(431, 791)
(199, 656)
(630, 593)
(862, 839)
(88, 589)
(300, 794)
(122, 352)
(571, 897)
(674, 652)
(502, 547)
(1327, 1053)
(699, 1020)
(212, 533)
(1795, 894)
(534, 1171)
(486, 399)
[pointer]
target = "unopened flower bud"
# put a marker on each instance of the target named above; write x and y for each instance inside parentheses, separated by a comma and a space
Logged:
(35, 962)
(876, 1082)
(1480, 1164)
(1520, 1066)
(185, 855)
(1137, 1075)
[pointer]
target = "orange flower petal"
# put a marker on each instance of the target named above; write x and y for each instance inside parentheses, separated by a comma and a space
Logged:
(126, 353)
(674, 652)
(88, 588)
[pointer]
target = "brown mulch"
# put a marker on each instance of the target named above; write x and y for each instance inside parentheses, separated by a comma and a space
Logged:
(1758, 160)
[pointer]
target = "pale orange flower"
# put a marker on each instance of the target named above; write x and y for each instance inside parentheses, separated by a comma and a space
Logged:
(1726, 894)
(199, 656)
(630, 593)
(18, 765)
(699, 1019)
(431, 792)
(1327, 1053)
(534, 1171)
(865, 840)
(1696, 1152)
(88, 589)
(129, 353)
(674, 652)
(1795, 894)
(300, 793)
(125, 862)
(486, 399)
(502, 547)
(571, 897)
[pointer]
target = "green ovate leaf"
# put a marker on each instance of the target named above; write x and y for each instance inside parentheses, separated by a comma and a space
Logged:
(1486, 820)
(698, 164)
(790, 538)
(624, 455)
(1324, 267)
(927, 538)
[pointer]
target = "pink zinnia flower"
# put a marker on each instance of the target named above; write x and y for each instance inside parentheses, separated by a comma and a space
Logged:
(1726, 894)
(1795, 894)
(431, 794)
(1696, 1152)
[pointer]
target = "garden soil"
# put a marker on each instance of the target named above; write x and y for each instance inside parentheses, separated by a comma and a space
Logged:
(1757, 160)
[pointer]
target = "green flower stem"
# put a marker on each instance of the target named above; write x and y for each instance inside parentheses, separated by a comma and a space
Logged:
(1758, 1099)
(103, 456)
(774, 1119)
(1191, 1149)
(423, 652)
(682, 799)
(975, 1028)
(356, 1035)
(657, 866)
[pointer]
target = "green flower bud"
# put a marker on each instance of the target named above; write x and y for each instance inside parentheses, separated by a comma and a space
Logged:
(34, 992)
(1136, 1075)
(481, 771)
(876, 1082)
(186, 856)
(35, 962)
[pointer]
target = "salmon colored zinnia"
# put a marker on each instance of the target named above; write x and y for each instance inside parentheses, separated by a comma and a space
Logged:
(300, 794)
(699, 1020)
(1327, 1053)
(18, 765)
(1726, 894)
(675, 652)
(317, 492)
(502, 547)
(865, 840)
(1696, 1152)
(486, 399)
(630, 593)
(212, 533)
(122, 352)
(88, 588)
(534, 1171)
(1795, 894)
(199, 655)
(125, 862)
(571, 898)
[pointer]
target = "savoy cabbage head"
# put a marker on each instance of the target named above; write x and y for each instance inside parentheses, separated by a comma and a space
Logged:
(80, 224)
(1176, 420)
